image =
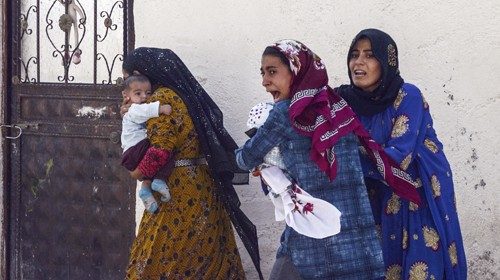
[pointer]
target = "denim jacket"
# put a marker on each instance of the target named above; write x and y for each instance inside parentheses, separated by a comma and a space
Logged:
(355, 252)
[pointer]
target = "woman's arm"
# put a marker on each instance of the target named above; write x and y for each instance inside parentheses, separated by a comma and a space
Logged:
(154, 159)
(269, 135)
(406, 126)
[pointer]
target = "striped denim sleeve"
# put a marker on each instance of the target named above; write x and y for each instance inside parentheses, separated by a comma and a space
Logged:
(269, 135)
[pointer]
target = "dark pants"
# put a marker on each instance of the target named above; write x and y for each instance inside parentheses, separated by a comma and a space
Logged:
(133, 156)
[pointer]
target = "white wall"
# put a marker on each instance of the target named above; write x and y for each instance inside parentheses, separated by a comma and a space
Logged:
(450, 49)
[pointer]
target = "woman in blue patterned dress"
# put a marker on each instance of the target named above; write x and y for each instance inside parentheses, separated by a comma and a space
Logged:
(298, 82)
(418, 242)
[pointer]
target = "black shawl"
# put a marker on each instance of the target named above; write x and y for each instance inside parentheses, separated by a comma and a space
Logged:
(164, 67)
(386, 52)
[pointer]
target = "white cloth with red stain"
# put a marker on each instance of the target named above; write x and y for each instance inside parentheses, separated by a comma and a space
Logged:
(307, 215)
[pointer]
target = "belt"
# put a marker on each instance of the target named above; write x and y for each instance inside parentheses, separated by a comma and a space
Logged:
(190, 162)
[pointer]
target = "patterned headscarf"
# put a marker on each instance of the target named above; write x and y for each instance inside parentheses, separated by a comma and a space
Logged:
(314, 110)
(317, 111)
(163, 67)
(386, 52)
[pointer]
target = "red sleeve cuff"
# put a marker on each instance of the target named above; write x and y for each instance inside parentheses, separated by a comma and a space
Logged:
(152, 161)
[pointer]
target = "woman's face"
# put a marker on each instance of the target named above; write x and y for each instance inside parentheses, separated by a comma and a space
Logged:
(364, 67)
(276, 77)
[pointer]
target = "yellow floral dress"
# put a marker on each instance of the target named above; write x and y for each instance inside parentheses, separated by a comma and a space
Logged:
(191, 237)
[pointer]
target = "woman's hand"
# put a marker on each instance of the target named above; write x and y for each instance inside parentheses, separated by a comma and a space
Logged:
(125, 106)
(256, 172)
(275, 178)
(136, 174)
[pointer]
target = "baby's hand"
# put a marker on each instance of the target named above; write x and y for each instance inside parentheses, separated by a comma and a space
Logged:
(125, 106)
(165, 109)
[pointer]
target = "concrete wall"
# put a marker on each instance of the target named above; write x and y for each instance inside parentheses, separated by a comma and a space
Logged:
(450, 49)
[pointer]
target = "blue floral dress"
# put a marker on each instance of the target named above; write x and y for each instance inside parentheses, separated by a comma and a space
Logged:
(419, 242)
(355, 252)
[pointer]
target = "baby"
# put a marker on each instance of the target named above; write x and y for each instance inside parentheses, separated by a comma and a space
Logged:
(135, 144)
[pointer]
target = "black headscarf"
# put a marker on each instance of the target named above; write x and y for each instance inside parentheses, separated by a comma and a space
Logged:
(163, 67)
(386, 52)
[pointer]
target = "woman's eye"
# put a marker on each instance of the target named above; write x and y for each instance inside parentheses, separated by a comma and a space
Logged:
(354, 55)
(272, 72)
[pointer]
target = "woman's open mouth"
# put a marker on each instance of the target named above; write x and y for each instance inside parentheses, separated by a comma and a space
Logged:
(276, 95)
(359, 73)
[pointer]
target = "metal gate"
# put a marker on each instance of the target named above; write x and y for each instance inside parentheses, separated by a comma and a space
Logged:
(71, 204)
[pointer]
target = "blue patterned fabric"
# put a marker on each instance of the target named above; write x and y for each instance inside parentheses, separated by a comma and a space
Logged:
(355, 252)
(425, 240)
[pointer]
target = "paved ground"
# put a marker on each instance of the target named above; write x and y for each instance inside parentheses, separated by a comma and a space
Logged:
(261, 211)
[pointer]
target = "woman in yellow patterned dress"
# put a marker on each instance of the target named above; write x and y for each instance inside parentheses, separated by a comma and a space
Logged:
(191, 236)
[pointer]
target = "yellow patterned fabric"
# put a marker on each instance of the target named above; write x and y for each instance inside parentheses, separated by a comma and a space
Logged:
(191, 237)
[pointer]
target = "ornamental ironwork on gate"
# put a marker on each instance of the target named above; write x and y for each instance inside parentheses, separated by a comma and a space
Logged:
(69, 41)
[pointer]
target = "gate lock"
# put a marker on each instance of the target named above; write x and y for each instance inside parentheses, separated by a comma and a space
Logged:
(18, 128)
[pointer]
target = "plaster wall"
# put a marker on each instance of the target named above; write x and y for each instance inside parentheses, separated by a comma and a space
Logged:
(449, 49)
